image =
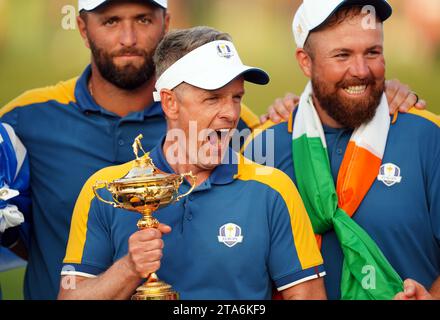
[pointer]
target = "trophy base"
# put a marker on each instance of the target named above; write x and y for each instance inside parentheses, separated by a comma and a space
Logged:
(155, 291)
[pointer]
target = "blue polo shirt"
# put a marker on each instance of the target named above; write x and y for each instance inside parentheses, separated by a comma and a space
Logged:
(272, 241)
(68, 138)
(404, 218)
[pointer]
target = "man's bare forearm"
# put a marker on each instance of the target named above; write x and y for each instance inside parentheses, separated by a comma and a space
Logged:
(309, 290)
(117, 283)
(435, 289)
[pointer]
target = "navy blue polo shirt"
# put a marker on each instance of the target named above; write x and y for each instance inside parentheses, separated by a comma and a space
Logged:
(403, 218)
(68, 138)
(233, 237)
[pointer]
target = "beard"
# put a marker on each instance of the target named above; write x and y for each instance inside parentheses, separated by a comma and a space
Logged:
(350, 113)
(127, 77)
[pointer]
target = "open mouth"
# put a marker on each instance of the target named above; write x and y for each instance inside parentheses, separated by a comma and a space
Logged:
(215, 145)
(219, 136)
(356, 90)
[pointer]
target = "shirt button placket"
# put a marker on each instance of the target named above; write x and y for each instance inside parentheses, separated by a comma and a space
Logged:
(188, 214)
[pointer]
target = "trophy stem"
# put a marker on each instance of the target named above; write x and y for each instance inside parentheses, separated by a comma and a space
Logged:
(148, 221)
(145, 189)
(153, 288)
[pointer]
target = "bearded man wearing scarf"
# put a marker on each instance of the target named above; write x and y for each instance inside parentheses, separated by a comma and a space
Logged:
(370, 182)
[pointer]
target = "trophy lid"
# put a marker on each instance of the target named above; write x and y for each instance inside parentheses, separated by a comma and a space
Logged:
(144, 169)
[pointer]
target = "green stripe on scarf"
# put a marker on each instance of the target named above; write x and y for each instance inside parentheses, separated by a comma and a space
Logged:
(362, 257)
(316, 186)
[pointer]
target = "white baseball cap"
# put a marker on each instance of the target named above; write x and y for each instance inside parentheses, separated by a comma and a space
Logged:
(314, 13)
(90, 5)
(209, 67)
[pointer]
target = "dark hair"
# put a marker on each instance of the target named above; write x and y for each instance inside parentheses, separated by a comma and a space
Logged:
(84, 13)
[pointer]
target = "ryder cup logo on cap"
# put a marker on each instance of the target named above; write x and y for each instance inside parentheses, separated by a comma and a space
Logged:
(230, 235)
(224, 51)
(209, 67)
(313, 13)
(90, 5)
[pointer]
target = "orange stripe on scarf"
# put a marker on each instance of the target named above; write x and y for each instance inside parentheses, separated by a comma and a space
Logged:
(358, 171)
(355, 178)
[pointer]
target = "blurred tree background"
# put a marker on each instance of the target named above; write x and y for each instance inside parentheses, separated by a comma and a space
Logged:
(36, 51)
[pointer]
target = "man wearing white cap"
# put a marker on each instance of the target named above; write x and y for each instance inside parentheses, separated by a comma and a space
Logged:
(79, 126)
(369, 181)
(241, 232)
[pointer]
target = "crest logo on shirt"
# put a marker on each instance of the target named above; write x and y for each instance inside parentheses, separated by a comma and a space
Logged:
(225, 51)
(389, 174)
(230, 235)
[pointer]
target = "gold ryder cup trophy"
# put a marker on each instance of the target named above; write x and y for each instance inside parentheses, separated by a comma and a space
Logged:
(144, 190)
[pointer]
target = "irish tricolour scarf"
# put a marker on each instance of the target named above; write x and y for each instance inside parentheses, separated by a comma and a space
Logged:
(332, 208)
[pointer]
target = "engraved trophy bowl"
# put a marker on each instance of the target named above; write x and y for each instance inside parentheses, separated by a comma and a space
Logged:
(144, 189)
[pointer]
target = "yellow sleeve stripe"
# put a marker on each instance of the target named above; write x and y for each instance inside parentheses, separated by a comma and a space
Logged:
(290, 123)
(80, 217)
(427, 115)
(256, 132)
(63, 92)
(250, 118)
(265, 126)
(302, 231)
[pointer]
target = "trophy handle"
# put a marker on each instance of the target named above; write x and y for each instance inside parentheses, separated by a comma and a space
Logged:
(193, 185)
(100, 185)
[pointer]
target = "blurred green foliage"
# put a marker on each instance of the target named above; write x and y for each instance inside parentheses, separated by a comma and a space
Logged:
(36, 51)
(11, 284)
